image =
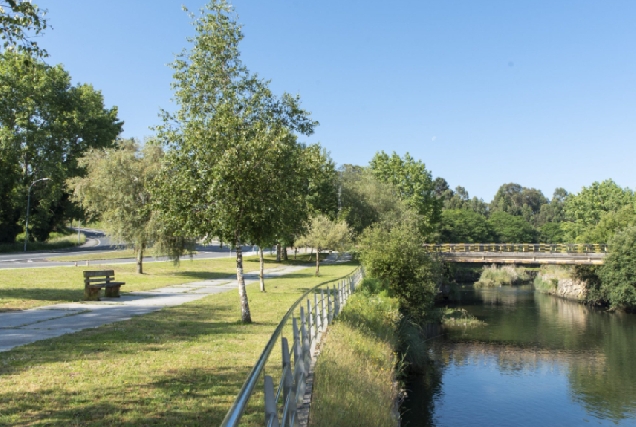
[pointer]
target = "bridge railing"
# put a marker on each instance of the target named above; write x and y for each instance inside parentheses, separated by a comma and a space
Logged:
(569, 248)
(284, 386)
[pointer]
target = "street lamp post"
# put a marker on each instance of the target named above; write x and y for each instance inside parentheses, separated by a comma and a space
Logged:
(26, 228)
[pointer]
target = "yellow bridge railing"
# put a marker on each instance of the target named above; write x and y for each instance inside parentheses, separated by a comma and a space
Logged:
(569, 248)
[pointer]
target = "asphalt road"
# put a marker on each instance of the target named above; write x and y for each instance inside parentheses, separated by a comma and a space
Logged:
(97, 242)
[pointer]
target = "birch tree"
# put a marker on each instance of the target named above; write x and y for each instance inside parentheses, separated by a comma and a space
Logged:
(227, 141)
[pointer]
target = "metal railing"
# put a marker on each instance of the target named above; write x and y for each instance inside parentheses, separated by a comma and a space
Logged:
(569, 248)
(282, 403)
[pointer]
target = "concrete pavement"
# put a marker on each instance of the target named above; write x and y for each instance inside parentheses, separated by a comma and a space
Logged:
(24, 327)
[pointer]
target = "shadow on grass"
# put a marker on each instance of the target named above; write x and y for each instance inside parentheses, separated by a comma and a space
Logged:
(178, 397)
(202, 275)
(41, 294)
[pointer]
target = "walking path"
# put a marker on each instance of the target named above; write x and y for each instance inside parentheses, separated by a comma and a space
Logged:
(24, 327)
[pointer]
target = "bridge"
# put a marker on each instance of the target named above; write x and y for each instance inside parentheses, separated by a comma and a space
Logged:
(521, 253)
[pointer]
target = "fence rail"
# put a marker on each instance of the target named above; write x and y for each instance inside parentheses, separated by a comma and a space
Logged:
(569, 248)
(282, 402)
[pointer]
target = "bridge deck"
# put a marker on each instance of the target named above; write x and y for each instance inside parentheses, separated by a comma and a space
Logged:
(525, 258)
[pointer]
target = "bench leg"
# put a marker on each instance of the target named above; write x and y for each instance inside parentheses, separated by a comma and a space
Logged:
(112, 292)
(91, 294)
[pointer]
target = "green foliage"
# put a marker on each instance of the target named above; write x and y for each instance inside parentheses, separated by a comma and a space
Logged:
(517, 200)
(509, 228)
(552, 232)
(117, 189)
(413, 184)
(464, 226)
(325, 234)
(232, 152)
(585, 210)
(394, 254)
(365, 199)
(459, 199)
(618, 274)
(46, 124)
(20, 21)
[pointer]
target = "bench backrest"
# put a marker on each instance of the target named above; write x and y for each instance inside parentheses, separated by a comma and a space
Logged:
(99, 277)
(99, 273)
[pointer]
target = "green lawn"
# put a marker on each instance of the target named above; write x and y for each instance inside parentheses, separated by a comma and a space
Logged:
(181, 366)
(27, 288)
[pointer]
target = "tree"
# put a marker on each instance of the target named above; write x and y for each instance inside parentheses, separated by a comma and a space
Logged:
(464, 226)
(227, 142)
(618, 274)
(19, 21)
(413, 184)
(509, 228)
(393, 253)
(365, 199)
(325, 234)
(116, 189)
(46, 124)
(585, 210)
(519, 201)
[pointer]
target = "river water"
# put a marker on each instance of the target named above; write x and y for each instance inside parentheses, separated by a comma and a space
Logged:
(539, 361)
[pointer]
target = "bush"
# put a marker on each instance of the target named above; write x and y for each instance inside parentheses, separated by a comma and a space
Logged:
(618, 274)
(395, 256)
(498, 276)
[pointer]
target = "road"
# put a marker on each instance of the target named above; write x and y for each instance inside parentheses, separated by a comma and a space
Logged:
(97, 242)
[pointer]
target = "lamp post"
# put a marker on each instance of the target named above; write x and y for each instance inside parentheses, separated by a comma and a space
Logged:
(26, 228)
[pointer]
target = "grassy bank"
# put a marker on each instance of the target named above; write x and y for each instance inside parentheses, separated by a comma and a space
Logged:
(355, 377)
(176, 367)
(549, 276)
(66, 238)
(28, 288)
(501, 276)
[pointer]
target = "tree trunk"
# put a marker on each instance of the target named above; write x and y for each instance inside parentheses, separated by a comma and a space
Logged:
(277, 252)
(285, 253)
(317, 261)
(295, 252)
(140, 260)
(260, 255)
(246, 317)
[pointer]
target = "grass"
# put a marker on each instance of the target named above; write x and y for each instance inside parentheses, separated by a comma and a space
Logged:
(65, 238)
(181, 366)
(458, 318)
(548, 277)
(28, 288)
(355, 377)
(498, 276)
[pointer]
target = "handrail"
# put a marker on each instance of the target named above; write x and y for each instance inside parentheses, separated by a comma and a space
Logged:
(301, 350)
(570, 248)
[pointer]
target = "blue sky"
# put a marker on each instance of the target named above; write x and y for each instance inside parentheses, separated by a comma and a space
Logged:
(540, 93)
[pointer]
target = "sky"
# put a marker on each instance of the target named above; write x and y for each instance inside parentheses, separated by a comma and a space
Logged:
(539, 93)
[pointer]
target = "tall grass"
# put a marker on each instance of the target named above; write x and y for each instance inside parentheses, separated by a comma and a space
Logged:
(548, 277)
(355, 378)
(498, 276)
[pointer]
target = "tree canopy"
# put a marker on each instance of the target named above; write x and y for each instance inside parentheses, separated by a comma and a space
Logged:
(46, 124)
(20, 22)
(229, 142)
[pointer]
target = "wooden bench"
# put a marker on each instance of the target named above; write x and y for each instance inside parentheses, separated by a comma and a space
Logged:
(94, 281)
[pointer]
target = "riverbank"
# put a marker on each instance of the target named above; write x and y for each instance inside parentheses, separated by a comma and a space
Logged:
(355, 380)
(562, 282)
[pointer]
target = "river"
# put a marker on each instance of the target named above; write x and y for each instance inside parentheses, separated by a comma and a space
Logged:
(539, 361)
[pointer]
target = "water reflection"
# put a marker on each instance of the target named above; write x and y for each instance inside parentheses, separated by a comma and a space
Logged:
(540, 360)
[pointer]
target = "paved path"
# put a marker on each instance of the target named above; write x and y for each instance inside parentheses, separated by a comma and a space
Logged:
(24, 327)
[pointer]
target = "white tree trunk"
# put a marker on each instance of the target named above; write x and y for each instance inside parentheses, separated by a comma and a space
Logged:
(246, 317)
